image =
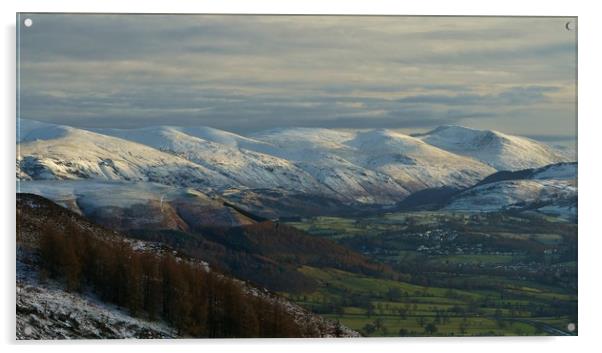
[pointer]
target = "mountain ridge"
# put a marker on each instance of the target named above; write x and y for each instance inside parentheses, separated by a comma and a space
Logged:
(501, 151)
(364, 167)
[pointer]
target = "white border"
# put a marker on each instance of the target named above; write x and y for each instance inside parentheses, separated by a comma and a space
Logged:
(590, 174)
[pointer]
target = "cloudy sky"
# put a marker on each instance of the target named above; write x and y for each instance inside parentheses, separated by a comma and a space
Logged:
(248, 73)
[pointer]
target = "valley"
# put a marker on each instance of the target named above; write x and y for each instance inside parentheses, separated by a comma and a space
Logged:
(454, 232)
(456, 274)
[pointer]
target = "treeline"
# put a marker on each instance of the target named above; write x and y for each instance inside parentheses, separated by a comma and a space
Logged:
(197, 302)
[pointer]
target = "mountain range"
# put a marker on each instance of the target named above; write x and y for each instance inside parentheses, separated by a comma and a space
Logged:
(212, 206)
(274, 173)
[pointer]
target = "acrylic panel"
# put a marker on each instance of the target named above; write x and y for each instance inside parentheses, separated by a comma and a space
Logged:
(234, 176)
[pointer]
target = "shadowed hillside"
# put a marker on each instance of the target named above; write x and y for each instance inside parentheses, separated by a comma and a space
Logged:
(151, 281)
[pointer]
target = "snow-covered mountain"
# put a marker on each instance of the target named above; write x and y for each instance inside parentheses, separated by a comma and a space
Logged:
(551, 189)
(257, 164)
(222, 152)
(501, 151)
(406, 160)
(60, 152)
(373, 167)
(410, 161)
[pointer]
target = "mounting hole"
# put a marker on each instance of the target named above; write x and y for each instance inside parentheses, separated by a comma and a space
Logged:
(28, 22)
(571, 327)
(569, 26)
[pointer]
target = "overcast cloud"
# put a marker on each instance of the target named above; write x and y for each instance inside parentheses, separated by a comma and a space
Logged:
(247, 73)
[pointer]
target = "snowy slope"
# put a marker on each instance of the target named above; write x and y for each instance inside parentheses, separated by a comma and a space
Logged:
(298, 143)
(407, 161)
(49, 312)
(263, 165)
(501, 151)
(222, 154)
(167, 136)
(226, 138)
(373, 167)
(411, 161)
(66, 153)
(551, 189)
(560, 171)
(137, 205)
(513, 193)
(31, 130)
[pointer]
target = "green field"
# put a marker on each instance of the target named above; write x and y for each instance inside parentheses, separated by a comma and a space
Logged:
(458, 274)
(383, 307)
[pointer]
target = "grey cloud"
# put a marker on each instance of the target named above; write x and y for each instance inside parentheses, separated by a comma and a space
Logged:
(249, 72)
(240, 115)
(515, 95)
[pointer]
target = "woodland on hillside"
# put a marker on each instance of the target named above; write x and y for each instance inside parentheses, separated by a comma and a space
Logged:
(197, 302)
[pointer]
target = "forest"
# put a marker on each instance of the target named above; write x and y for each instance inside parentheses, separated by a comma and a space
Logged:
(196, 301)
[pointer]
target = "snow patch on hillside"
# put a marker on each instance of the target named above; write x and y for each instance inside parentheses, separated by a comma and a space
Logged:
(561, 171)
(505, 194)
(46, 311)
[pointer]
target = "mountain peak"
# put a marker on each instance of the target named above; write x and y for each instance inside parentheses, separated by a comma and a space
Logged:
(461, 131)
(33, 130)
(501, 151)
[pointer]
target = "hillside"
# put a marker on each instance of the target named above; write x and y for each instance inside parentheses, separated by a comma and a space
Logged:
(46, 311)
(257, 164)
(285, 172)
(499, 150)
(268, 254)
(77, 261)
(407, 161)
(137, 205)
(221, 152)
(550, 190)
(65, 153)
